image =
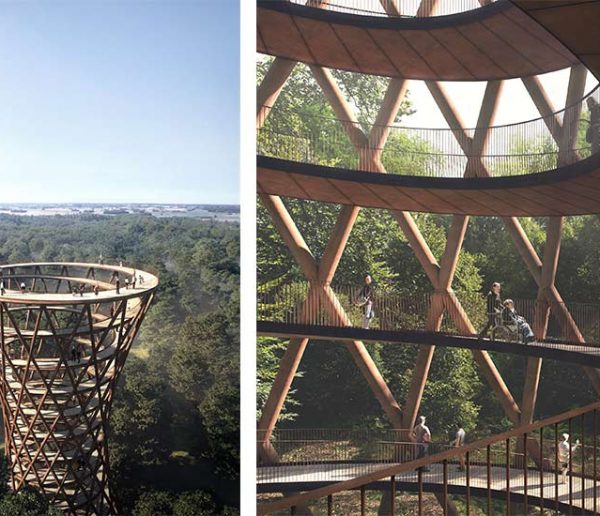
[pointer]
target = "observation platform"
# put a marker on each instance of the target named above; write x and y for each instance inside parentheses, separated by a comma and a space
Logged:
(84, 273)
(498, 41)
(541, 486)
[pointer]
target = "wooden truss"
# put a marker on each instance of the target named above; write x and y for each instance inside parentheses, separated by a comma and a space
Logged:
(60, 362)
(320, 273)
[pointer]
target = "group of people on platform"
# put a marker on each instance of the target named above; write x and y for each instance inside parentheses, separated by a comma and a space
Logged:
(81, 289)
(504, 312)
(422, 438)
(498, 311)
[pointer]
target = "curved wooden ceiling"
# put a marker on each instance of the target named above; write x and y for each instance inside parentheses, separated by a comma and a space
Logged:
(574, 23)
(498, 41)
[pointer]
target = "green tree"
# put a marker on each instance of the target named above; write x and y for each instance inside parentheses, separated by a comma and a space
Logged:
(26, 502)
(196, 503)
(154, 503)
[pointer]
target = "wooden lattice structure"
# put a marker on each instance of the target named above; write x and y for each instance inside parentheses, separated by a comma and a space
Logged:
(320, 272)
(66, 330)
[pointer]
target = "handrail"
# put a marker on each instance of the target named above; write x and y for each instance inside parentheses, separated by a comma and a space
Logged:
(592, 93)
(361, 481)
(512, 149)
(573, 324)
(394, 8)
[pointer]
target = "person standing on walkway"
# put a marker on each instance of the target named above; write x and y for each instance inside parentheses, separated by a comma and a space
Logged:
(365, 301)
(23, 288)
(422, 437)
(592, 134)
(459, 441)
(118, 285)
(494, 308)
(565, 448)
(2, 289)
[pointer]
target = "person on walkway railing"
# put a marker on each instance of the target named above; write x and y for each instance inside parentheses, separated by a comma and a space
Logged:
(459, 441)
(422, 437)
(592, 134)
(494, 308)
(511, 317)
(365, 301)
(564, 455)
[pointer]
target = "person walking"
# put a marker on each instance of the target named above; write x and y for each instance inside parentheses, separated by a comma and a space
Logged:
(2, 289)
(422, 436)
(365, 301)
(126, 283)
(494, 308)
(118, 285)
(459, 440)
(565, 448)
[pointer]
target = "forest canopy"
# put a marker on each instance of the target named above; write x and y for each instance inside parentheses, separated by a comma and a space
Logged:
(174, 438)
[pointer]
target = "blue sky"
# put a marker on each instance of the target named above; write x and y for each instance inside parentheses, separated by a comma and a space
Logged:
(119, 101)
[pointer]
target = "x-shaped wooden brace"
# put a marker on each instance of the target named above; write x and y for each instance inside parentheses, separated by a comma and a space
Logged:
(369, 150)
(543, 276)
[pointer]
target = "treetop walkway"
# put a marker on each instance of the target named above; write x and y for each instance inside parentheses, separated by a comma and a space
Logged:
(521, 465)
(290, 311)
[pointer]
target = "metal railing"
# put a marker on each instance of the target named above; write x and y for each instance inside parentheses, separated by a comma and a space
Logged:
(523, 465)
(514, 149)
(575, 325)
(395, 8)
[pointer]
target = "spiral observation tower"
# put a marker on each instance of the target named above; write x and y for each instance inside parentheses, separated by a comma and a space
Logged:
(461, 172)
(66, 330)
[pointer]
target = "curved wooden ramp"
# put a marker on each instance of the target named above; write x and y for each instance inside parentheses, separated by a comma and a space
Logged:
(498, 41)
(570, 190)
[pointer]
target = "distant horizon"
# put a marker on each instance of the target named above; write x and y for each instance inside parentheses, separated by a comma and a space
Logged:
(35, 203)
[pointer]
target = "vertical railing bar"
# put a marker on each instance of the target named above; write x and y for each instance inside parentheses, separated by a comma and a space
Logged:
(542, 470)
(468, 482)
(570, 465)
(392, 495)
(595, 451)
(508, 476)
(556, 466)
(583, 462)
(420, 493)
(525, 479)
(489, 485)
(445, 492)
(362, 501)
